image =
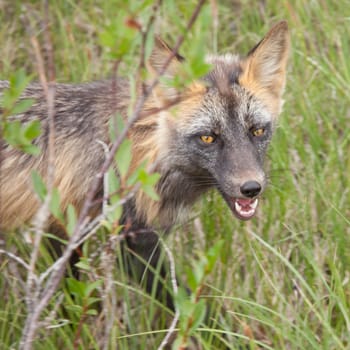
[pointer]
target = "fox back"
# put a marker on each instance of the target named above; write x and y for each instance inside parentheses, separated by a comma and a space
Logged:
(216, 136)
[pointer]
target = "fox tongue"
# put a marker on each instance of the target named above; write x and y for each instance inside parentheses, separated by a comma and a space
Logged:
(245, 208)
(244, 202)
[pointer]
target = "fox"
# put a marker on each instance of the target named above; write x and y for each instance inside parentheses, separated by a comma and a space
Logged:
(216, 136)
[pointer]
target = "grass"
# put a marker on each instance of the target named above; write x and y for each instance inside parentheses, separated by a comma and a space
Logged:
(284, 277)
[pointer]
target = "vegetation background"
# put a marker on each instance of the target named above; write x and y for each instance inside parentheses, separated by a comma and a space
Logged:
(284, 277)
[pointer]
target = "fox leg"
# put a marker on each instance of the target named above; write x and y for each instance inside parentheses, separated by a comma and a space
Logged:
(143, 258)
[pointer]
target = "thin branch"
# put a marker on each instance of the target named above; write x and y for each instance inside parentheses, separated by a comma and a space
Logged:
(16, 258)
(109, 299)
(145, 34)
(57, 274)
(40, 219)
(48, 43)
(133, 118)
(215, 17)
(105, 180)
(175, 320)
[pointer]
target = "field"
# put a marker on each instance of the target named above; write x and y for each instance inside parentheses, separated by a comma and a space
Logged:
(282, 280)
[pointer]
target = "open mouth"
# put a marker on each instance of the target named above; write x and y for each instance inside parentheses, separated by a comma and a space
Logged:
(243, 208)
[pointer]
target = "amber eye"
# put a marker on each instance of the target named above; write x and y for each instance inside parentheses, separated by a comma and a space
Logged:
(207, 138)
(258, 132)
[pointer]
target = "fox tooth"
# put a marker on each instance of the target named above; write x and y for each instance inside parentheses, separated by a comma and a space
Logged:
(238, 207)
(255, 204)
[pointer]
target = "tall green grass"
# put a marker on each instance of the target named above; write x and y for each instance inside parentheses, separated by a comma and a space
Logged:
(282, 278)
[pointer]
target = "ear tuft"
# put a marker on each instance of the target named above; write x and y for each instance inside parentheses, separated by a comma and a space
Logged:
(157, 60)
(264, 68)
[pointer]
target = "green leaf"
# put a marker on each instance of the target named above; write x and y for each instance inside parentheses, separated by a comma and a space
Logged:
(17, 83)
(107, 37)
(199, 270)
(30, 149)
(113, 181)
(138, 6)
(114, 215)
(123, 157)
(180, 296)
(135, 176)
(179, 343)
(213, 254)
(148, 181)
(191, 279)
(119, 37)
(92, 286)
(83, 264)
(198, 315)
(116, 126)
(186, 311)
(12, 132)
(183, 303)
(113, 186)
(76, 287)
(152, 179)
(78, 309)
(150, 191)
(92, 300)
(149, 45)
(32, 130)
(54, 237)
(55, 207)
(71, 219)
(22, 106)
(108, 225)
(39, 185)
(91, 312)
(21, 136)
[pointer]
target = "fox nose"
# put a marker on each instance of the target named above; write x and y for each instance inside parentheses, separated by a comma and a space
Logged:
(250, 189)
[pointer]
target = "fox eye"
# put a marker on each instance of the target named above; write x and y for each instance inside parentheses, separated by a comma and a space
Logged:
(258, 132)
(208, 138)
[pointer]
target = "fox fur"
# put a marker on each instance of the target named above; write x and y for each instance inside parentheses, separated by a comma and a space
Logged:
(237, 104)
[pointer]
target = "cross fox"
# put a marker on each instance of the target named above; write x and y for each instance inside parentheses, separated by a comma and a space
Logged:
(215, 137)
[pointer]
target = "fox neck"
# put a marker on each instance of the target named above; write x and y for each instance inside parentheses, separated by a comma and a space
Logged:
(177, 193)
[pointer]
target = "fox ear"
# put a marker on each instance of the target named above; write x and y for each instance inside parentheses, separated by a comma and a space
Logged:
(264, 68)
(156, 62)
(159, 56)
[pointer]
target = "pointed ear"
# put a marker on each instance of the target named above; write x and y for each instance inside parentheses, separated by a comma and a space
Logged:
(160, 54)
(264, 69)
(157, 60)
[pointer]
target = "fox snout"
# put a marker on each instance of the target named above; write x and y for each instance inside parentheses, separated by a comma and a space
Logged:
(242, 195)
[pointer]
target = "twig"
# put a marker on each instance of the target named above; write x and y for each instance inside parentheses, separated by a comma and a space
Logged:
(47, 322)
(16, 258)
(175, 320)
(105, 180)
(57, 273)
(39, 222)
(133, 118)
(144, 34)
(215, 16)
(48, 43)
(109, 299)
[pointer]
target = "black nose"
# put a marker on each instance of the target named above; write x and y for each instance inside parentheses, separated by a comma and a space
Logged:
(250, 189)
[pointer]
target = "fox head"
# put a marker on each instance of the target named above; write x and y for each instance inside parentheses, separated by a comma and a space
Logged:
(218, 133)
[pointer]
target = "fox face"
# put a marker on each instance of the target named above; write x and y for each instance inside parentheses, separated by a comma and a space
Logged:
(219, 133)
(225, 147)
